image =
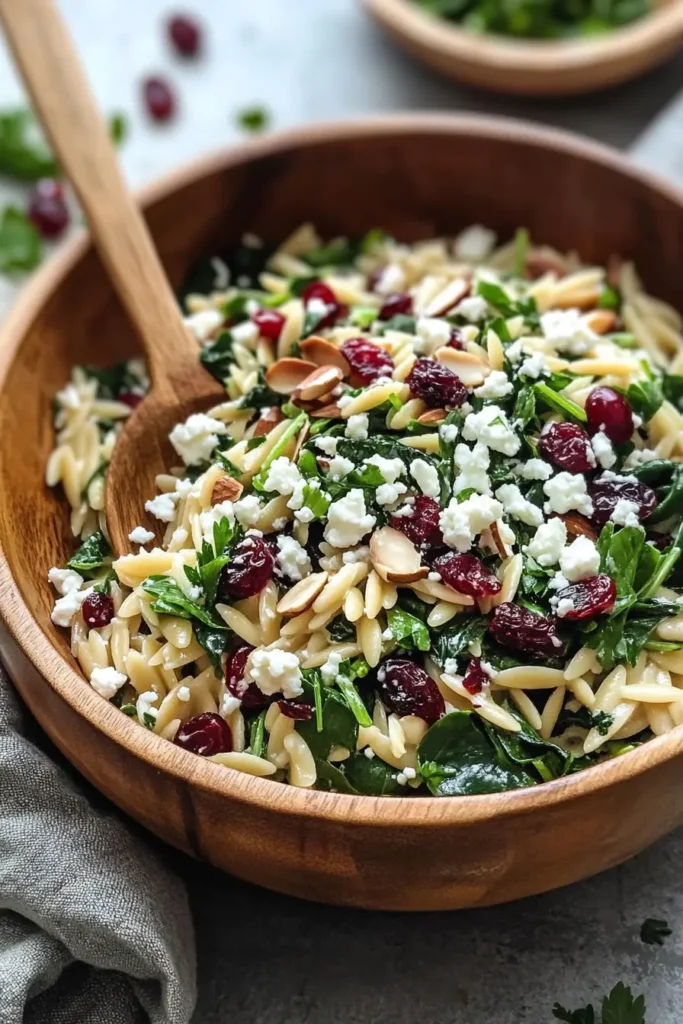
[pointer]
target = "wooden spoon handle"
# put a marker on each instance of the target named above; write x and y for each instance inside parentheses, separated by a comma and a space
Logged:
(54, 76)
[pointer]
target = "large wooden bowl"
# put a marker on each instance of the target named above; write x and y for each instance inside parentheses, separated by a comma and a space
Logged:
(414, 177)
(533, 67)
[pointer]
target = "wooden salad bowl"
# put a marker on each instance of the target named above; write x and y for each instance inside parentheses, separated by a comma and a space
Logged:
(533, 67)
(415, 177)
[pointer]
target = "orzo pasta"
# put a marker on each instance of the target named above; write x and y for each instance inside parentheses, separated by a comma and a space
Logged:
(428, 543)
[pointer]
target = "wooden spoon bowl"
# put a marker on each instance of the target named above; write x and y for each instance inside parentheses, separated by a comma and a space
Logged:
(414, 176)
(533, 67)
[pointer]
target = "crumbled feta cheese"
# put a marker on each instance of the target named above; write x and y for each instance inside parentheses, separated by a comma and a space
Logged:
(603, 450)
(162, 507)
(567, 491)
(283, 476)
(563, 606)
(491, 427)
(388, 494)
(107, 681)
(514, 353)
(548, 542)
(473, 464)
(144, 704)
(357, 426)
(433, 331)
(580, 560)
(140, 535)
(247, 510)
(569, 332)
(292, 558)
(426, 477)
(339, 467)
(204, 323)
(183, 489)
(533, 366)
(228, 704)
(348, 521)
(330, 670)
(462, 521)
(516, 505)
(434, 577)
(327, 444)
(474, 244)
(304, 515)
(369, 753)
(245, 333)
(317, 307)
(184, 693)
(391, 469)
(196, 438)
(391, 279)
(65, 580)
(534, 469)
(474, 308)
(402, 778)
(361, 554)
(626, 513)
(558, 582)
(640, 456)
(496, 385)
(344, 401)
(449, 432)
(275, 671)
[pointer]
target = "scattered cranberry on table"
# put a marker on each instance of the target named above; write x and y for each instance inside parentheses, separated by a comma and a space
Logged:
(159, 98)
(47, 208)
(206, 734)
(185, 35)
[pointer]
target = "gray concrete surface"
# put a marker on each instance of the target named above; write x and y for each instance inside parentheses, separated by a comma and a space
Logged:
(272, 960)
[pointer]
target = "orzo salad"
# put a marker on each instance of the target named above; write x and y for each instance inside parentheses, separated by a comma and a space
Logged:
(430, 541)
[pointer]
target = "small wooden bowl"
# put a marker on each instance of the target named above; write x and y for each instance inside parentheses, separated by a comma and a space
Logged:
(415, 177)
(533, 67)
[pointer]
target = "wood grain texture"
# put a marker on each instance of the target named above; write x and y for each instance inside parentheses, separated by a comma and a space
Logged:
(533, 67)
(414, 177)
(61, 95)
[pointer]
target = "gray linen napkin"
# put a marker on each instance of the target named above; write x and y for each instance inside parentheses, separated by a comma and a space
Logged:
(94, 927)
(660, 146)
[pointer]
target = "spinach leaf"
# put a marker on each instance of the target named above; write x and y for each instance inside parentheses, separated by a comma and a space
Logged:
(331, 777)
(400, 322)
(525, 406)
(261, 396)
(621, 1007)
(217, 357)
(381, 444)
(456, 638)
(170, 600)
(645, 397)
(371, 776)
(672, 386)
(407, 631)
(527, 747)
(457, 758)
(20, 246)
(339, 725)
(24, 153)
(341, 630)
(586, 1015)
(353, 698)
(92, 554)
(215, 642)
(620, 561)
(112, 381)
(340, 253)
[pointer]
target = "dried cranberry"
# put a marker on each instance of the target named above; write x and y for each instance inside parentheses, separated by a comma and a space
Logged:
(299, 712)
(158, 98)
(185, 35)
(130, 398)
(590, 597)
(605, 493)
(322, 292)
(568, 446)
(47, 209)
(421, 526)
(609, 411)
(367, 361)
(456, 340)
(436, 385)
(205, 734)
(248, 571)
(467, 574)
(396, 304)
(235, 683)
(406, 689)
(525, 632)
(475, 678)
(270, 323)
(98, 610)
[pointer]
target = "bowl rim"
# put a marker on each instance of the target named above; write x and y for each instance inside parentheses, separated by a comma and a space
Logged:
(530, 56)
(215, 779)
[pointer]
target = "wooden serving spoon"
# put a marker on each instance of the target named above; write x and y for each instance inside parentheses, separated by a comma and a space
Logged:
(52, 72)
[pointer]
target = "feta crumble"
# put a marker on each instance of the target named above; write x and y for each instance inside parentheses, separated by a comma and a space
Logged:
(626, 513)
(491, 427)
(548, 542)
(283, 476)
(474, 244)
(565, 492)
(162, 507)
(426, 477)
(534, 469)
(496, 385)
(65, 580)
(275, 671)
(140, 535)
(107, 681)
(195, 439)
(580, 560)
(603, 450)
(462, 521)
(292, 559)
(357, 426)
(348, 521)
(516, 505)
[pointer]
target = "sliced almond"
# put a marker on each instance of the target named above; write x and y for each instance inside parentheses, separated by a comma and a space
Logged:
(327, 412)
(321, 380)
(324, 353)
(470, 368)
(285, 375)
(454, 292)
(578, 526)
(302, 595)
(602, 321)
(395, 558)
(226, 489)
(267, 421)
(497, 540)
(432, 416)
